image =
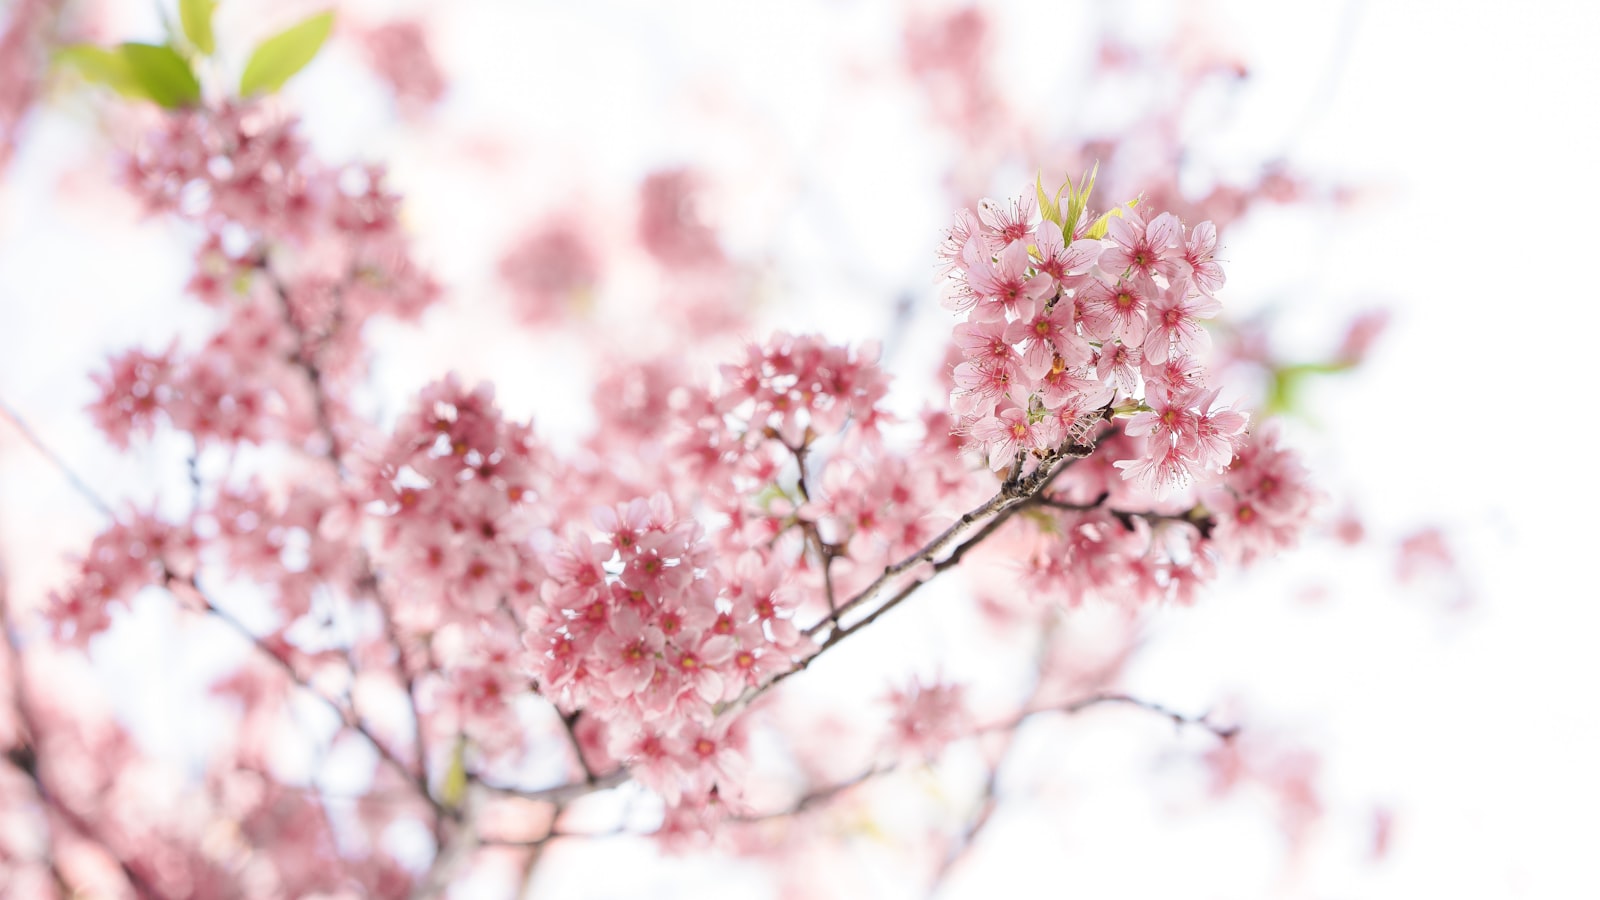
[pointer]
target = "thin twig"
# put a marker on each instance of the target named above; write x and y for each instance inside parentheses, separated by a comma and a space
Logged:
(414, 775)
(560, 792)
(569, 721)
(994, 513)
(78, 484)
(1179, 720)
(307, 362)
(1004, 502)
(1196, 517)
(818, 795)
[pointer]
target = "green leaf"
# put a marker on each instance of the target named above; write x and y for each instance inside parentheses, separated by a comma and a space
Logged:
(1283, 394)
(1049, 208)
(453, 786)
(99, 65)
(279, 57)
(196, 18)
(1102, 224)
(163, 74)
(1077, 202)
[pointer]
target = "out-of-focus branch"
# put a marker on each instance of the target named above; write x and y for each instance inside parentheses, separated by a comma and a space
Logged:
(989, 799)
(25, 759)
(560, 792)
(1179, 720)
(817, 796)
(306, 362)
(78, 484)
(414, 774)
(368, 580)
(555, 834)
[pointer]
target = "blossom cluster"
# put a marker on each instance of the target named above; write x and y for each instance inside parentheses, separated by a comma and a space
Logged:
(654, 619)
(1071, 322)
(1066, 320)
(646, 632)
(296, 257)
(122, 560)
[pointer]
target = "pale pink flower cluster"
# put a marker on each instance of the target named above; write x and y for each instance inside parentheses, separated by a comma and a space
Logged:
(1108, 540)
(296, 258)
(230, 163)
(797, 388)
(130, 555)
(1062, 330)
(294, 544)
(458, 493)
(654, 619)
(1264, 500)
(398, 52)
(456, 489)
(670, 226)
(926, 717)
(647, 633)
(22, 64)
(549, 269)
(238, 388)
(751, 448)
(244, 174)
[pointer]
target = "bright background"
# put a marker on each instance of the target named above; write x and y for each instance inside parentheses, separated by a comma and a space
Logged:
(1466, 125)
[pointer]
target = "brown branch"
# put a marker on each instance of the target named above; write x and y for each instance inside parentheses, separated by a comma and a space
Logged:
(416, 775)
(1196, 517)
(826, 552)
(1013, 493)
(368, 583)
(1178, 719)
(999, 509)
(569, 721)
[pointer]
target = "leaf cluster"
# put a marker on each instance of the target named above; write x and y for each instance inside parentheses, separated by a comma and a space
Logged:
(165, 74)
(1077, 207)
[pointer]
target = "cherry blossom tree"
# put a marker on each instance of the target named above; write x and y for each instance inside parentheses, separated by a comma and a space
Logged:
(457, 640)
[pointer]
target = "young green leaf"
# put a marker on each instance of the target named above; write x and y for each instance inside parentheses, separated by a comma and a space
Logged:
(163, 74)
(279, 57)
(453, 787)
(1049, 208)
(1078, 201)
(196, 18)
(1103, 224)
(102, 66)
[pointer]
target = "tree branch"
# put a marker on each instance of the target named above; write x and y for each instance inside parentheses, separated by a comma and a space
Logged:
(1195, 516)
(817, 796)
(995, 512)
(78, 484)
(416, 776)
(25, 759)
